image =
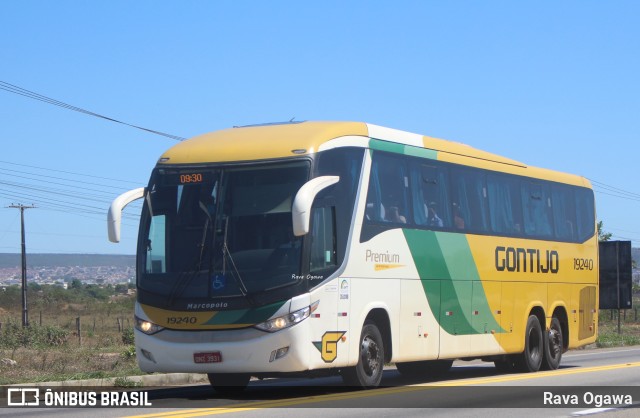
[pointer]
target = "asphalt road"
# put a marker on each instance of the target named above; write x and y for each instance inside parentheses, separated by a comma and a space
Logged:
(588, 382)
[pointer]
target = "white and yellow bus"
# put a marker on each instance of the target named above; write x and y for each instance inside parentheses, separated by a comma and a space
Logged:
(336, 247)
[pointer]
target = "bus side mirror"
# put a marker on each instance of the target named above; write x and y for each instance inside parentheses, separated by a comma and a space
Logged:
(115, 211)
(301, 208)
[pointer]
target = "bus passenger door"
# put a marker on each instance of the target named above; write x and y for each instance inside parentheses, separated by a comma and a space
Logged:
(328, 326)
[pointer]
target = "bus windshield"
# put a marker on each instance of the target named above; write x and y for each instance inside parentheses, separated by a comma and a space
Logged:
(220, 232)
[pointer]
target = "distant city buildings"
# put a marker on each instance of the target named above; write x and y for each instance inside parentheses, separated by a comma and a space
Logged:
(62, 276)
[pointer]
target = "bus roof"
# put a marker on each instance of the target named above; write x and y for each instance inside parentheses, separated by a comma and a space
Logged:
(282, 140)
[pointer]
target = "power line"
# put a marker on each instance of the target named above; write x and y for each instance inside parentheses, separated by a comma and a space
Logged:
(11, 88)
(68, 197)
(614, 191)
(65, 172)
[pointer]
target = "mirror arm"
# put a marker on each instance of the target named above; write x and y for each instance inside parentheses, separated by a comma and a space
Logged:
(114, 217)
(301, 208)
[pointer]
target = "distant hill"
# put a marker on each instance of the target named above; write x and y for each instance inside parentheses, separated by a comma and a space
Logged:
(68, 260)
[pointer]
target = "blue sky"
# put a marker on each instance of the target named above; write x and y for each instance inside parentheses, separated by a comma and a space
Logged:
(552, 84)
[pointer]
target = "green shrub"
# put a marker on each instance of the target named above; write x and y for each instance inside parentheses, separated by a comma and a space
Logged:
(127, 336)
(125, 382)
(34, 336)
(129, 352)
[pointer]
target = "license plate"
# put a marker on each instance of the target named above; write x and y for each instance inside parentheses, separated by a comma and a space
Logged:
(212, 357)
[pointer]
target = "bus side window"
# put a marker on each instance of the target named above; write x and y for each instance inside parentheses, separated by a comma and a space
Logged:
(469, 195)
(536, 205)
(387, 199)
(505, 210)
(431, 205)
(323, 240)
(564, 212)
(585, 214)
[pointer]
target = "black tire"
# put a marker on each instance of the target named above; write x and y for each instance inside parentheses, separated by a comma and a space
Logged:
(531, 358)
(368, 372)
(229, 383)
(553, 345)
(424, 368)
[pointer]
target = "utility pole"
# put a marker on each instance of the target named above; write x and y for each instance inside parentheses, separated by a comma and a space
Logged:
(25, 315)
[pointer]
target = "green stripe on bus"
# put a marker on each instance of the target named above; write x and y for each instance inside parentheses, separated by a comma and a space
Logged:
(462, 267)
(396, 148)
(447, 273)
(245, 316)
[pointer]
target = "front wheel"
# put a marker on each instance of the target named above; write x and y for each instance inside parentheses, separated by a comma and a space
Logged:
(553, 346)
(368, 372)
(229, 383)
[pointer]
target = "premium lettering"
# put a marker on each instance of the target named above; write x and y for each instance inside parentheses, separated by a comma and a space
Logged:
(382, 257)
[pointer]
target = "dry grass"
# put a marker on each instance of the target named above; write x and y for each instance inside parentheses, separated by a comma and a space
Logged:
(65, 363)
(98, 351)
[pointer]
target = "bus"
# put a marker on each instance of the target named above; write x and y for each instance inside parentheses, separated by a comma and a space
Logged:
(315, 248)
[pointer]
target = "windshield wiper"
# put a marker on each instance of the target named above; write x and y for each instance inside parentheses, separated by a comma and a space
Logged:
(185, 278)
(236, 277)
(204, 231)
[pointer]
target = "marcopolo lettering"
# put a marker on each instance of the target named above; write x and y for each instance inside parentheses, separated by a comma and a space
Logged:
(527, 260)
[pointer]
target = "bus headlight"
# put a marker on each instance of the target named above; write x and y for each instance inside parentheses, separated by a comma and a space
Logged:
(290, 319)
(146, 326)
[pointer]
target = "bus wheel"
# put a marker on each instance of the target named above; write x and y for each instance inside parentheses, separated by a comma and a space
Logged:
(531, 359)
(368, 372)
(424, 368)
(553, 345)
(229, 383)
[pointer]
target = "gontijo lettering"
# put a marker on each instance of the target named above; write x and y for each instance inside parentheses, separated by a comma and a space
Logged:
(527, 260)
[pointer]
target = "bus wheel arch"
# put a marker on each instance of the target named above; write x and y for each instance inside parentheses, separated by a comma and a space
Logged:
(374, 350)
(380, 317)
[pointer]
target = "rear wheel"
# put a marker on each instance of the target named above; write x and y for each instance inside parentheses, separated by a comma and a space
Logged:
(368, 372)
(531, 358)
(553, 346)
(229, 383)
(424, 368)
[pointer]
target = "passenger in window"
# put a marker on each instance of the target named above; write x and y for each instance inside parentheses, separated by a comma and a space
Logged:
(432, 218)
(372, 215)
(393, 215)
(458, 220)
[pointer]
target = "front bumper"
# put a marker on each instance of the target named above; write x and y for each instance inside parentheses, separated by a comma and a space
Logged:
(243, 351)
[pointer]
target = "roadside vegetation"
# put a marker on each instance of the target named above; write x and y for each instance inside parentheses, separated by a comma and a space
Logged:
(608, 335)
(51, 349)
